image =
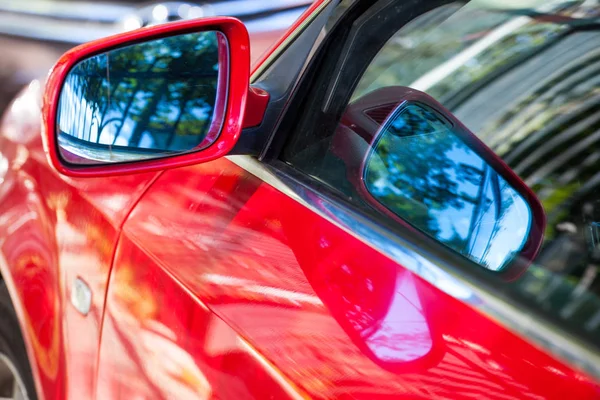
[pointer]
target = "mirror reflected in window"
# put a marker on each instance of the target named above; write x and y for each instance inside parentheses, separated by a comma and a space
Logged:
(421, 171)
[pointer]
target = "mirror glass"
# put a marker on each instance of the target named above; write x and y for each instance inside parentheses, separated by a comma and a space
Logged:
(423, 172)
(146, 100)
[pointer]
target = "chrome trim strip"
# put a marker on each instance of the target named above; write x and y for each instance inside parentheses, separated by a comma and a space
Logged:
(438, 272)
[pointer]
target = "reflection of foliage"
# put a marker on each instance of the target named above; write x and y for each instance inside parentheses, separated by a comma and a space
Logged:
(427, 181)
(425, 43)
(469, 173)
(523, 41)
(159, 94)
(423, 172)
(457, 242)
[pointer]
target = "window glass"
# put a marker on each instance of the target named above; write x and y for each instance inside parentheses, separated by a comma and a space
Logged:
(523, 77)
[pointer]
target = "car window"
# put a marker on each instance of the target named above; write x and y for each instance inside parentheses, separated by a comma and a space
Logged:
(523, 78)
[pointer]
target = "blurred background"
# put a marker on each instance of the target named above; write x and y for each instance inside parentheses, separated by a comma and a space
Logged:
(34, 33)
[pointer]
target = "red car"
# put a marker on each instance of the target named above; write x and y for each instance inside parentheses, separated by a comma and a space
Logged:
(399, 201)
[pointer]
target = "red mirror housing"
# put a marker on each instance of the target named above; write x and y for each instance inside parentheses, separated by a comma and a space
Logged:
(233, 95)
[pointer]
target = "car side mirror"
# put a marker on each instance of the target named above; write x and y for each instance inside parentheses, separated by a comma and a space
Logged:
(159, 97)
(424, 168)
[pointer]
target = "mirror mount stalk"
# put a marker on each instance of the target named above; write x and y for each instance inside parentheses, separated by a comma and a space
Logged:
(256, 105)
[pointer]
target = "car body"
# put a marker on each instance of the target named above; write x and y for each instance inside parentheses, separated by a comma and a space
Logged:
(256, 268)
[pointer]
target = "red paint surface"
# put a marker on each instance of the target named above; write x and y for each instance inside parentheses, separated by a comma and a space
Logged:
(256, 106)
(239, 67)
(326, 311)
(55, 229)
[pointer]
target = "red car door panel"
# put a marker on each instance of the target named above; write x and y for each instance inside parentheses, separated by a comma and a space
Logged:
(58, 229)
(161, 342)
(214, 243)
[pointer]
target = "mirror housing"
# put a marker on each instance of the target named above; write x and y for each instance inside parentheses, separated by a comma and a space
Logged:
(233, 87)
(410, 159)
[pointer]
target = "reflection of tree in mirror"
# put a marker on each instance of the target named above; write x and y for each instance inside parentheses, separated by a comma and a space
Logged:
(424, 180)
(157, 95)
(423, 172)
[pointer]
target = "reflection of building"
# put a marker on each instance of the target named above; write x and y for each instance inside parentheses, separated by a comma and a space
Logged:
(541, 113)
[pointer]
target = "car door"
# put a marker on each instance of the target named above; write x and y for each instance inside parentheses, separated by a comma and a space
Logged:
(277, 277)
(59, 237)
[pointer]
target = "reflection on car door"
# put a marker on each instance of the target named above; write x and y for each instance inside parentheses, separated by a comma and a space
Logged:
(59, 238)
(226, 287)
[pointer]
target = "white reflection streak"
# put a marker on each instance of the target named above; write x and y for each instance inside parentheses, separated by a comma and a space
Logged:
(250, 286)
(22, 220)
(403, 334)
(446, 69)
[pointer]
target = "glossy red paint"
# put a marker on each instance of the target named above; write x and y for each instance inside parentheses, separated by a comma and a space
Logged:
(209, 283)
(161, 343)
(57, 229)
(256, 106)
(332, 317)
(238, 81)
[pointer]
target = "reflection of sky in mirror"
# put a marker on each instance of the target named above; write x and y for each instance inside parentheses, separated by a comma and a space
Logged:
(157, 95)
(424, 173)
